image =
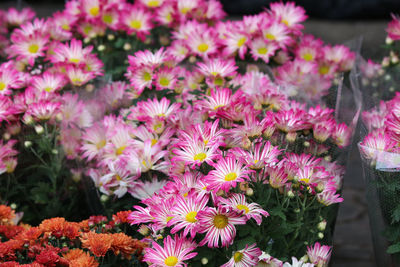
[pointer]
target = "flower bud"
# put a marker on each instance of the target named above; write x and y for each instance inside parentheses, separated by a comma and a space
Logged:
(319, 188)
(204, 261)
(385, 62)
(28, 144)
(192, 59)
(328, 158)
(13, 206)
(104, 198)
(127, 47)
(89, 88)
(101, 48)
(290, 194)
(39, 129)
(59, 117)
(110, 37)
(296, 210)
(388, 40)
(306, 144)
(6, 136)
(392, 89)
(54, 151)
(320, 235)
(322, 225)
(304, 258)
(144, 230)
(28, 120)
(86, 40)
(395, 59)
(249, 192)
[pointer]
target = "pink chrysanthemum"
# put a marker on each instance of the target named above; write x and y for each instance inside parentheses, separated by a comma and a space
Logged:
(245, 257)
(218, 224)
(319, 255)
(174, 252)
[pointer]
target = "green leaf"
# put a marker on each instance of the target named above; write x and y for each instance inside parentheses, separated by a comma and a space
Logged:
(396, 214)
(394, 248)
(277, 211)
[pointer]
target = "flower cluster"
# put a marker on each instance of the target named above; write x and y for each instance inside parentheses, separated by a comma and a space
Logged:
(57, 242)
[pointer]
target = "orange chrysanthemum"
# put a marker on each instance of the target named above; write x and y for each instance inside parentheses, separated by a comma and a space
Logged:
(6, 215)
(59, 227)
(121, 217)
(98, 244)
(125, 245)
(79, 258)
(29, 236)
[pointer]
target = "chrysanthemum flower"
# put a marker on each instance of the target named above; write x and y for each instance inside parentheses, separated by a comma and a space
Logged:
(14, 17)
(80, 258)
(216, 70)
(73, 53)
(261, 154)
(185, 212)
(218, 224)
(245, 257)
(77, 76)
(297, 263)
(277, 33)
(195, 153)
(10, 78)
(137, 20)
(263, 50)
(174, 253)
(98, 244)
(238, 203)
(328, 196)
(29, 48)
(42, 111)
(393, 28)
(289, 14)
(49, 82)
(203, 44)
(319, 255)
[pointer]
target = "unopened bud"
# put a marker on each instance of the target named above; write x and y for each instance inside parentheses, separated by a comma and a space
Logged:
(322, 225)
(144, 230)
(110, 37)
(319, 188)
(13, 206)
(392, 89)
(395, 59)
(89, 88)
(306, 143)
(101, 48)
(389, 40)
(385, 62)
(59, 117)
(54, 151)
(6, 136)
(290, 194)
(328, 158)
(127, 46)
(28, 120)
(320, 235)
(204, 261)
(39, 129)
(304, 258)
(27, 144)
(86, 40)
(249, 192)
(296, 210)
(104, 198)
(192, 59)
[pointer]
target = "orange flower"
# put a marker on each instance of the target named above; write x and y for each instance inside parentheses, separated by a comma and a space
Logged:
(29, 236)
(6, 215)
(121, 217)
(98, 244)
(59, 227)
(79, 258)
(124, 244)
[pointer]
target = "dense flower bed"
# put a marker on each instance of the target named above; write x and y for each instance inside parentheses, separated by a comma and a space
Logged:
(222, 134)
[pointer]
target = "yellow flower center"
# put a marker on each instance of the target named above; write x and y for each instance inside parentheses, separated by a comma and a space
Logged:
(220, 221)
(214, 73)
(285, 21)
(107, 18)
(241, 41)
(74, 60)
(324, 70)
(48, 89)
(168, 219)
(153, 142)
(2, 86)
(308, 57)
(243, 207)
(136, 24)
(200, 156)
(230, 176)
(100, 144)
(237, 256)
(203, 47)
(65, 27)
(184, 10)
(219, 81)
(144, 163)
(94, 11)
(164, 81)
(87, 29)
(76, 81)
(120, 150)
(33, 48)
(191, 217)
(171, 261)
(168, 17)
(147, 76)
(262, 50)
(153, 3)
(118, 177)
(305, 180)
(270, 36)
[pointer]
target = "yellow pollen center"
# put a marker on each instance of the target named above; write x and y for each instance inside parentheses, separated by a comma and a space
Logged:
(136, 24)
(74, 60)
(144, 163)
(100, 144)
(2, 86)
(306, 180)
(203, 47)
(230, 176)
(285, 21)
(220, 221)
(262, 50)
(324, 70)
(168, 219)
(120, 150)
(164, 81)
(108, 19)
(76, 81)
(184, 10)
(48, 89)
(237, 256)
(33, 48)
(168, 17)
(241, 41)
(94, 11)
(219, 81)
(118, 177)
(270, 36)
(153, 3)
(256, 161)
(243, 207)
(171, 261)
(214, 73)
(308, 57)
(153, 142)
(191, 217)
(87, 29)
(65, 27)
(200, 156)
(147, 76)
